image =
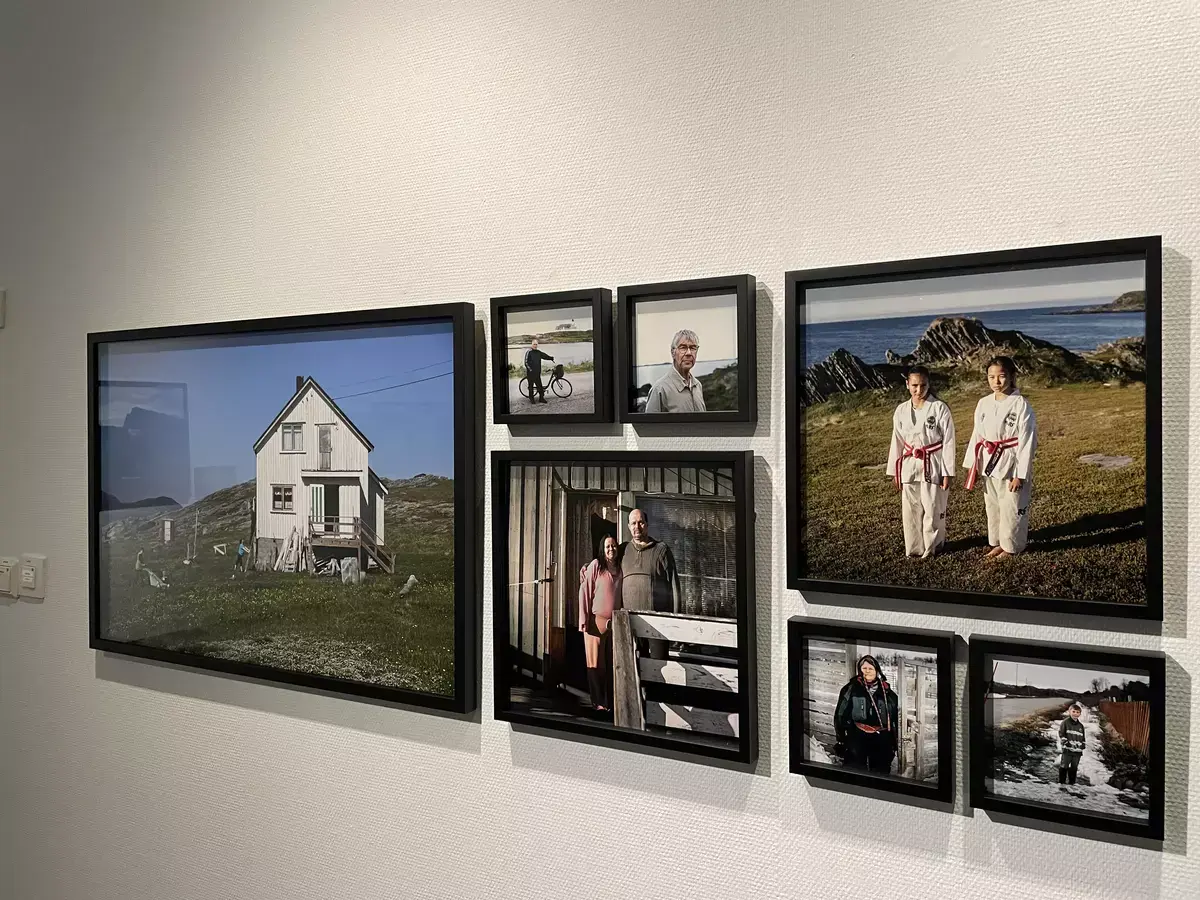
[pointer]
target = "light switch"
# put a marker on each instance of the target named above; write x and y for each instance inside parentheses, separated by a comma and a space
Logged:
(33, 576)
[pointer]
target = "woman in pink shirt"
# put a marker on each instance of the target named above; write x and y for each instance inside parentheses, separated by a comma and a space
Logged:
(599, 595)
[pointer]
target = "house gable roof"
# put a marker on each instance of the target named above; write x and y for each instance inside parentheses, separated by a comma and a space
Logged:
(291, 404)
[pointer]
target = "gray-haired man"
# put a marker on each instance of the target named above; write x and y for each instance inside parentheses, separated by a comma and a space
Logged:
(679, 390)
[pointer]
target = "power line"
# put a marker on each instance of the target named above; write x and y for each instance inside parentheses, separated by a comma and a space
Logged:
(393, 387)
(394, 374)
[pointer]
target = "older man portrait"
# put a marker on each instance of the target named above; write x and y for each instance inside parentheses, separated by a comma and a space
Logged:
(679, 390)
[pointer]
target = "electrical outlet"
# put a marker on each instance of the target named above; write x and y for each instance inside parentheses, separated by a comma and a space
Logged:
(32, 576)
(8, 575)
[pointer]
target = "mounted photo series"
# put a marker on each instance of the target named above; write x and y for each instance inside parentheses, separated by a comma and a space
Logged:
(982, 430)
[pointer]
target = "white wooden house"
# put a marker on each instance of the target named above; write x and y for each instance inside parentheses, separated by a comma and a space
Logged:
(315, 485)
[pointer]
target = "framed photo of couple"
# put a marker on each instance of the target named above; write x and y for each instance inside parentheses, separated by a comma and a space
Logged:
(624, 599)
(981, 429)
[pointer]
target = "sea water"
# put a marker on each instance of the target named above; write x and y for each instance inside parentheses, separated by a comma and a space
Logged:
(870, 339)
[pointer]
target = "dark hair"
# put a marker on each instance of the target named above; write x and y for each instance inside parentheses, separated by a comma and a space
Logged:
(1007, 364)
(600, 548)
(916, 370)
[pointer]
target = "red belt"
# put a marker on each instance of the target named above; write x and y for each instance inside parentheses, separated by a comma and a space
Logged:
(994, 449)
(921, 453)
(869, 729)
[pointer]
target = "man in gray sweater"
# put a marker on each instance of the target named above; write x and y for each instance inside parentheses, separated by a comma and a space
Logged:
(649, 581)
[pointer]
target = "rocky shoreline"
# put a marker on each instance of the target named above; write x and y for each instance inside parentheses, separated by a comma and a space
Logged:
(955, 348)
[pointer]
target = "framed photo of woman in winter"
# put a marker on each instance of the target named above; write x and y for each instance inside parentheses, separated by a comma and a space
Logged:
(1068, 734)
(872, 706)
(980, 429)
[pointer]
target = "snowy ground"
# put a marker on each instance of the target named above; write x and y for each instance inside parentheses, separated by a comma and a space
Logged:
(1038, 778)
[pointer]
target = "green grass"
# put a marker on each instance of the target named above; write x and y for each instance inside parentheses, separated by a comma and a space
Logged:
(1087, 535)
(299, 622)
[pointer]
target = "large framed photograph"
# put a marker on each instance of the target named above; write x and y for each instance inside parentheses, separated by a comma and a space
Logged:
(872, 706)
(686, 351)
(1068, 734)
(623, 586)
(981, 429)
(291, 499)
(551, 358)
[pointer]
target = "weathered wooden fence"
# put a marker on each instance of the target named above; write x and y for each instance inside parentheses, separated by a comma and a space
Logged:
(830, 664)
(631, 671)
(1131, 720)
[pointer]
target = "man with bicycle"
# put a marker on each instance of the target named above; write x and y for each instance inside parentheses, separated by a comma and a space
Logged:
(533, 371)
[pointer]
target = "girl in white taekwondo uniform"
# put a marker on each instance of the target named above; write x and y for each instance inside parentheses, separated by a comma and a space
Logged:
(921, 462)
(1001, 452)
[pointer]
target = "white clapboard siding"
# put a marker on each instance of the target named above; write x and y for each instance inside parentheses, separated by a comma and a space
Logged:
(686, 674)
(688, 629)
(691, 718)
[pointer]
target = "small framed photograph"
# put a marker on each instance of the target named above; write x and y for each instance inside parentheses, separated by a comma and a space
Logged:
(624, 608)
(872, 706)
(260, 503)
(686, 351)
(551, 358)
(982, 429)
(1068, 734)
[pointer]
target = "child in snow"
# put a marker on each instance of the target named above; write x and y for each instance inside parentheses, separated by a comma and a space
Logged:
(921, 462)
(1001, 450)
(1071, 743)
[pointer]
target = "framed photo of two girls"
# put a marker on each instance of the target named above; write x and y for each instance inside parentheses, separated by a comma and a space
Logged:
(982, 429)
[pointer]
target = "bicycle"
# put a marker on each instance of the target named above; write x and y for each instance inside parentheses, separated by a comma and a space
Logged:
(558, 383)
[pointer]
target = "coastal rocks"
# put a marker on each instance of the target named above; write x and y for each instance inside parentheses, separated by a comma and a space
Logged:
(844, 373)
(957, 348)
(1125, 358)
(962, 342)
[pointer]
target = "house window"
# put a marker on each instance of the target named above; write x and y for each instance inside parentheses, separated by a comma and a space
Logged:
(281, 498)
(293, 438)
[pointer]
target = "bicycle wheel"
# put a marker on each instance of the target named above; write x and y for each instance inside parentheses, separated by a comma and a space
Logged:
(523, 387)
(561, 387)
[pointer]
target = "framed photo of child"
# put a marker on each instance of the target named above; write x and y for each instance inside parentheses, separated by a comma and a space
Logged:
(686, 352)
(981, 429)
(1068, 734)
(872, 706)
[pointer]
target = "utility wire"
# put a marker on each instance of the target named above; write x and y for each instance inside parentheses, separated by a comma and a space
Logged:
(392, 387)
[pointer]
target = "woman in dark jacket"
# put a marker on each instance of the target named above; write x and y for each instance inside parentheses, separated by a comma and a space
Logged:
(866, 720)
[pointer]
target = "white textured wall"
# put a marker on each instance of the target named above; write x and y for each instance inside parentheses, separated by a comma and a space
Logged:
(174, 162)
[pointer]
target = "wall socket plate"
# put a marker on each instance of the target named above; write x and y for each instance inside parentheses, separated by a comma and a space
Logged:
(31, 579)
(8, 575)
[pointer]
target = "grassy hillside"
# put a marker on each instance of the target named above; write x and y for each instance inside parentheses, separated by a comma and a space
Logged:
(1086, 539)
(315, 624)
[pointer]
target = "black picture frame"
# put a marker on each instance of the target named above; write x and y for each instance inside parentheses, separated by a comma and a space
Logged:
(984, 648)
(508, 659)
(628, 297)
(801, 629)
(600, 300)
(467, 500)
(797, 283)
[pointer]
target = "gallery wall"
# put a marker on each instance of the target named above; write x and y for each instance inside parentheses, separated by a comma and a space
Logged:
(174, 163)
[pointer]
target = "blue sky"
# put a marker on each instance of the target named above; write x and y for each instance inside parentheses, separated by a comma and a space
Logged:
(1088, 284)
(393, 382)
